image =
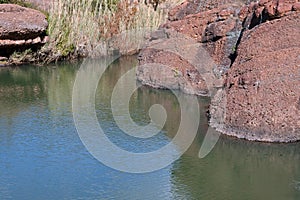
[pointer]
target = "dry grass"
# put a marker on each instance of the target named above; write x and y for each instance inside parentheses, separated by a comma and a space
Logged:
(73, 24)
(79, 27)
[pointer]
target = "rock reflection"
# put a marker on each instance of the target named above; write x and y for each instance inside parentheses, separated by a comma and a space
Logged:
(40, 150)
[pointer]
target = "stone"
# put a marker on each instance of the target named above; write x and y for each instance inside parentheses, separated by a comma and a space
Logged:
(36, 40)
(192, 7)
(216, 31)
(28, 41)
(296, 6)
(19, 23)
(166, 64)
(254, 68)
(262, 86)
(21, 28)
(270, 9)
(3, 58)
(284, 8)
(45, 40)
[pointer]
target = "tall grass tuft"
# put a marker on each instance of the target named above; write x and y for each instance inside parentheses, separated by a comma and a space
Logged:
(79, 27)
(73, 24)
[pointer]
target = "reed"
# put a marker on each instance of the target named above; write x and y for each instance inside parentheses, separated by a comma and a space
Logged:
(79, 27)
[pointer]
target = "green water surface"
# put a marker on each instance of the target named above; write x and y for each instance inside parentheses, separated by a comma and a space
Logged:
(42, 157)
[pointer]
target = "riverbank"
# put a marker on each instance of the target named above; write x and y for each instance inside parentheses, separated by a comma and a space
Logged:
(71, 30)
(245, 56)
(251, 66)
(42, 156)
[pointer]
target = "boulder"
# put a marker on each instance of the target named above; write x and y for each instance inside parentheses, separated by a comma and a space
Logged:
(166, 64)
(266, 10)
(19, 23)
(216, 31)
(251, 66)
(262, 87)
(21, 28)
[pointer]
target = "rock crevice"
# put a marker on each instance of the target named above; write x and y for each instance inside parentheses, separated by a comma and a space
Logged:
(255, 51)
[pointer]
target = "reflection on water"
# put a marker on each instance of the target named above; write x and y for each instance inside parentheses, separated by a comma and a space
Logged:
(42, 157)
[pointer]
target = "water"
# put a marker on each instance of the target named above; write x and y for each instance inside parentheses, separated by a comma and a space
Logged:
(42, 157)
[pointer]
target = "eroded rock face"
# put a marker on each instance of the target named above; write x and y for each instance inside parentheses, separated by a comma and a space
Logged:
(217, 31)
(20, 27)
(167, 64)
(255, 49)
(191, 7)
(266, 10)
(263, 85)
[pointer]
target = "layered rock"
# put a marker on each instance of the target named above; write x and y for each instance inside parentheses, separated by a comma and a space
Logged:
(217, 31)
(21, 28)
(167, 64)
(254, 47)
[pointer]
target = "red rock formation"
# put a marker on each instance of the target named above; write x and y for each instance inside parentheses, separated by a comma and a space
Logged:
(191, 7)
(166, 64)
(263, 85)
(21, 28)
(216, 30)
(17, 22)
(259, 44)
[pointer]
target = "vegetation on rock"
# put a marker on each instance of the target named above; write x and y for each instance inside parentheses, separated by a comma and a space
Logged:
(78, 28)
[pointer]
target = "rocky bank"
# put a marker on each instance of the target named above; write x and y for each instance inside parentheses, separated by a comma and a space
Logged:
(254, 75)
(20, 29)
